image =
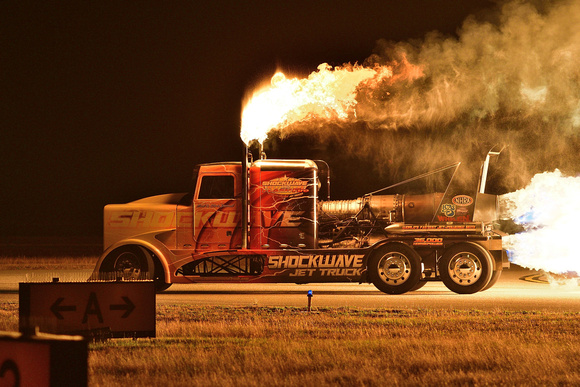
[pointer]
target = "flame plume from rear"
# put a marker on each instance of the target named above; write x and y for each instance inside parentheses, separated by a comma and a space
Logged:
(548, 209)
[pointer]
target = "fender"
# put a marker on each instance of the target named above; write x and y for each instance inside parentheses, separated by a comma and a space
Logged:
(150, 242)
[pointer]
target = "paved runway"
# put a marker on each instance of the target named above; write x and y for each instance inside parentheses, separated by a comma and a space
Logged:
(510, 293)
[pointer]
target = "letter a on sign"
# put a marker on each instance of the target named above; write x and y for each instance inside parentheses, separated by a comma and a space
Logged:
(93, 308)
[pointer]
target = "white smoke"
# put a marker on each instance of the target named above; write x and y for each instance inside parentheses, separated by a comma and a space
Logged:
(509, 79)
(524, 63)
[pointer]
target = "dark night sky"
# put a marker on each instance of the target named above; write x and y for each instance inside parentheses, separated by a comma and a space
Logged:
(107, 102)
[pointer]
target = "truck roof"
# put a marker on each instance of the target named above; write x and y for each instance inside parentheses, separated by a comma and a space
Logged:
(222, 163)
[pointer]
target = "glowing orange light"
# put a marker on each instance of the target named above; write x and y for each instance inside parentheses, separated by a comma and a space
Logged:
(328, 93)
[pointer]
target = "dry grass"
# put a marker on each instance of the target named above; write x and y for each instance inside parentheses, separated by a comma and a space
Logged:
(200, 346)
(8, 316)
(287, 346)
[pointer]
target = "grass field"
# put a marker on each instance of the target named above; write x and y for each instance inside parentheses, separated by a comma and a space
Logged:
(261, 346)
(255, 346)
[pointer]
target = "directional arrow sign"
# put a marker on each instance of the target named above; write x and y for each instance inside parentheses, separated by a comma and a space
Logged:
(128, 307)
(56, 308)
(121, 308)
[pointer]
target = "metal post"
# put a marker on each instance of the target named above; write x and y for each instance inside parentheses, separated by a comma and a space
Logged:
(484, 171)
(245, 193)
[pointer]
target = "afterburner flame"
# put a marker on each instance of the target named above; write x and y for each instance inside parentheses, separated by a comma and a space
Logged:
(328, 93)
(549, 210)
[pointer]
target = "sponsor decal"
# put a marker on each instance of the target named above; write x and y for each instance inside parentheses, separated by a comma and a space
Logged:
(286, 186)
(462, 200)
(131, 218)
(269, 219)
(216, 218)
(428, 242)
(431, 227)
(448, 209)
(441, 218)
(159, 220)
(332, 265)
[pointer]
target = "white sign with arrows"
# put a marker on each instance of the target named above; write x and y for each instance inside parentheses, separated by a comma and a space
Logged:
(121, 308)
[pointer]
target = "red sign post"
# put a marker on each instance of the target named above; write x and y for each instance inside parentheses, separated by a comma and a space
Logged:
(42, 360)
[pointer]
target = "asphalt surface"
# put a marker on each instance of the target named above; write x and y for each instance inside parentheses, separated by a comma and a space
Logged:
(518, 289)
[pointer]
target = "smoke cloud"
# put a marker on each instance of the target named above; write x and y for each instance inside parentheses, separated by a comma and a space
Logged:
(510, 79)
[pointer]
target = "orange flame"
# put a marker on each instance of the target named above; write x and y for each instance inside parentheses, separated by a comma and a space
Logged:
(328, 93)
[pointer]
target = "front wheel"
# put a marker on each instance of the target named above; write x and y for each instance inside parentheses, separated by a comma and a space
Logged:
(129, 263)
(133, 263)
(395, 268)
(466, 268)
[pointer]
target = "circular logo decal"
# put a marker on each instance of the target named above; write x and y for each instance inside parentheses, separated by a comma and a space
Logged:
(462, 200)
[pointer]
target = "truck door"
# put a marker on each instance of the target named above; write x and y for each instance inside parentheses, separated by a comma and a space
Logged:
(216, 210)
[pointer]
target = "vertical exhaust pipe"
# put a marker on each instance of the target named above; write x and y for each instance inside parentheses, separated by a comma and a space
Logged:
(245, 193)
(484, 170)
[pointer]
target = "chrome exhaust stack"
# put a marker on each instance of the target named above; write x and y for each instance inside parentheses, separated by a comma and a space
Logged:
(245, 202)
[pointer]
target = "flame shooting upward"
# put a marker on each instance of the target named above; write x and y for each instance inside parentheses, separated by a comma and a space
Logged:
(328, 93)
(511, 79)
(548, 210)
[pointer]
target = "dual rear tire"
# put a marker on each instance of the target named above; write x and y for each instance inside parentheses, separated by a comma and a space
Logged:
(467, 268)
(395, 268)
(464, 268)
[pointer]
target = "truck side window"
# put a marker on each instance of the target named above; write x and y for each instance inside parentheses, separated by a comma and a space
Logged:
(216, 187)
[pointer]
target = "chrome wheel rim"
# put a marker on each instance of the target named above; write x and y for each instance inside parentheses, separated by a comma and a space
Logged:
(465, 269)
(394, 268)
(128, 266)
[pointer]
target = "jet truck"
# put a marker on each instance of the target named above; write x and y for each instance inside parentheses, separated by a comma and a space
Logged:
(272, 221)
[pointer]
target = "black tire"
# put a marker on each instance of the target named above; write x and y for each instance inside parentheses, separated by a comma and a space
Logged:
(494, 277)
(161, 286)
(466, 268)
(127, 262)
(133, 263)
(395, 268)
(419, 285)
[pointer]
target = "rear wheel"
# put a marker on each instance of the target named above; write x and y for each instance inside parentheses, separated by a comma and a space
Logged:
(419, 285)
(395, 268)
(466, 268)
(494, 277)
